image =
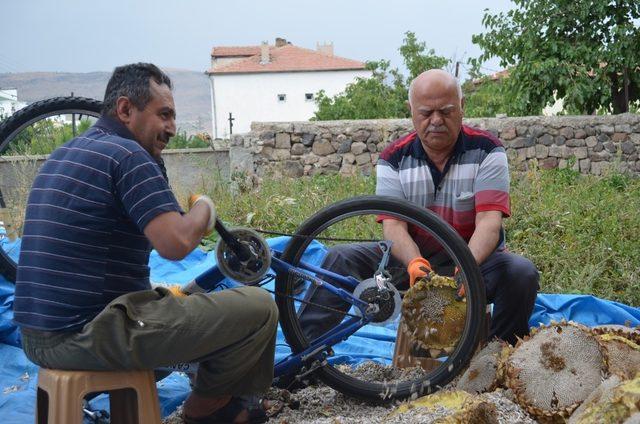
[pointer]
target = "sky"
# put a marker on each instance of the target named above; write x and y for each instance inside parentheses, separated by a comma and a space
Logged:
(94, 35)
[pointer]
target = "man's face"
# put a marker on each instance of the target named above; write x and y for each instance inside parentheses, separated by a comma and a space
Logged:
(154, 125)
(436, 111)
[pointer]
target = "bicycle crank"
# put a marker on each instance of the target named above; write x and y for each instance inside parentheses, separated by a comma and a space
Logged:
(246, 265)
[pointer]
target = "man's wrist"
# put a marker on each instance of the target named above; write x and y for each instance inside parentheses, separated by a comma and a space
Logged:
(202, 198)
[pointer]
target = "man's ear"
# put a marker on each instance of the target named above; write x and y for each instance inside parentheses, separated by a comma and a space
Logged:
(123, 109)
(462, 106)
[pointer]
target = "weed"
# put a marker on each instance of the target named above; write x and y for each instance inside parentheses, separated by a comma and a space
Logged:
(580, 231)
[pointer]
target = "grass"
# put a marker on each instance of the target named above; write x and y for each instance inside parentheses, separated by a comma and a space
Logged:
(580, 231)
(280, 204)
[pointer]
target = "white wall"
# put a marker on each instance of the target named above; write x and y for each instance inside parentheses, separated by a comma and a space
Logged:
(9, 102)
(253, 97)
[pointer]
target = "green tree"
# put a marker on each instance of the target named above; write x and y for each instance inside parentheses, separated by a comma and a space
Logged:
(485, 99)
(585, 51)
(183, 141)
(367, 98)
(417, 58)
(384, 94)
(43, 137)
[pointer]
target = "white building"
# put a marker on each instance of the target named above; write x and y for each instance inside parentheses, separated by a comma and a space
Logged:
(273, 83)
(9, 102)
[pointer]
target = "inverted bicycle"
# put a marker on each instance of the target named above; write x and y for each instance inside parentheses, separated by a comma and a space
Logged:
(246, 258)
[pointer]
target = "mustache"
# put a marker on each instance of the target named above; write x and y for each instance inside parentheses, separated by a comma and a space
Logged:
(438, 128)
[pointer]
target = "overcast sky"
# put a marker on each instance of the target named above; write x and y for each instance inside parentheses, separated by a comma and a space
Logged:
(92, 35)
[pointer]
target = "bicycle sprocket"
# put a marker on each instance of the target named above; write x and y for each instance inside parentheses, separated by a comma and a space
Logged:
(387, 299)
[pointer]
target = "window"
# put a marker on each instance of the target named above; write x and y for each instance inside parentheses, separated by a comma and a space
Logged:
(308, 96)
(282, 97)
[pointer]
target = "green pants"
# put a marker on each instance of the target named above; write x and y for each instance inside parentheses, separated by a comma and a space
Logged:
(231, 333)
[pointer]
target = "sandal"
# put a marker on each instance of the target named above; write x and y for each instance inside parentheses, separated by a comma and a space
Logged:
(228, 413)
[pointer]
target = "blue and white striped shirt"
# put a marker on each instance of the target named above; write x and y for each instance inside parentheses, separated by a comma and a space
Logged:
(83, 242)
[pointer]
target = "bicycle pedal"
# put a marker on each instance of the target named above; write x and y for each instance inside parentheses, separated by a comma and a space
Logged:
(298, 287)
(419, 352)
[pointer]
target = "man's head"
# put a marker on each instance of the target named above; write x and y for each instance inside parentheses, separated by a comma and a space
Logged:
(139, 96)
(437, 106)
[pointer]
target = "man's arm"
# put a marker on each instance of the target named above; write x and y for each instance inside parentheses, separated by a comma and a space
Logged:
(404, 248)
(174, 235)
(486, 235)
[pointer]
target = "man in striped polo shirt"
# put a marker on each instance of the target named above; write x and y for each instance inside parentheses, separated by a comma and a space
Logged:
(83, 298)
(460, 173)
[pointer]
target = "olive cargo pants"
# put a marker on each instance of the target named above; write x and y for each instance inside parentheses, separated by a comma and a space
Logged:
(230, 332)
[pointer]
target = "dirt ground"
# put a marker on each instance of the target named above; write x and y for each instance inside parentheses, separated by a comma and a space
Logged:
(320, 404)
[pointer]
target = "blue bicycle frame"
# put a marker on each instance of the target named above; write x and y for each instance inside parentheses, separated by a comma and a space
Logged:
(292, 363)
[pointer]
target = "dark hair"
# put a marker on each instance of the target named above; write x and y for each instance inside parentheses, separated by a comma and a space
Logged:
(132, 81)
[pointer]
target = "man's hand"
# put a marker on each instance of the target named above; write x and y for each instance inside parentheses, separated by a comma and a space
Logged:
(418, 268)
(177, 291)
(201, 198)
(456, 276)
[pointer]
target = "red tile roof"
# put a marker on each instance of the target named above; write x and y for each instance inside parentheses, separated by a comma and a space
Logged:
(227, 51)
(493, 77)
(287, 58)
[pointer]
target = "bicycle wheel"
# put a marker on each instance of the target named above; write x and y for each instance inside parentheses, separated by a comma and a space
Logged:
(378, 380)
(25, 138)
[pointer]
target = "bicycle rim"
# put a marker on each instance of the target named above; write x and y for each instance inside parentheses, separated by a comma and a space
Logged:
(377, 379)
(26, 138)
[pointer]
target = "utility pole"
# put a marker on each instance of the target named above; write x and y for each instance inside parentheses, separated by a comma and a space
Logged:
(231, 119)
(457, 68)
(73, 120)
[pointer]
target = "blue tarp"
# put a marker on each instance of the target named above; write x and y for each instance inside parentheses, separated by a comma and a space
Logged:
(18, 376)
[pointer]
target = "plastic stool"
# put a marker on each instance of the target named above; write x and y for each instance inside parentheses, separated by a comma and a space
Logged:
(133, 396)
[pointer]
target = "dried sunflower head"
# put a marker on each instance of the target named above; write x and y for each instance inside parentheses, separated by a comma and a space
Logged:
(623, 355)
(482, 374)
(433, 315)
(554, 369)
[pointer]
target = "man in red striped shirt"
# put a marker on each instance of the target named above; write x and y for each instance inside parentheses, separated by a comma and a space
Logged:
(461, 174)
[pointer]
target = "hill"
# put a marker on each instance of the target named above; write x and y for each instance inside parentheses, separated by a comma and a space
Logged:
(191, 91)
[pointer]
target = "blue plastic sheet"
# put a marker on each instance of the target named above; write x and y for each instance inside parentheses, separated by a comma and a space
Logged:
(18, 376)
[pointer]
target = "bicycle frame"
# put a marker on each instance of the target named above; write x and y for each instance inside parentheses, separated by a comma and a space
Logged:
(319, 347)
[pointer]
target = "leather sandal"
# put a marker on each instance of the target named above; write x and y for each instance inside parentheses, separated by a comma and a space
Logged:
(228, 413)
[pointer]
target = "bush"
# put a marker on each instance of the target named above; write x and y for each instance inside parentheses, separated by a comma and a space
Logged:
(182, 141)
(580, 231)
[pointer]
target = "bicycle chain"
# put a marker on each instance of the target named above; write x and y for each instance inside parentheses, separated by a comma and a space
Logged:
(278, 233)
(306, 302)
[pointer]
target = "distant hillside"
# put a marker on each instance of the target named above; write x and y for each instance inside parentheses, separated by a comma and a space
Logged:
(191, 91)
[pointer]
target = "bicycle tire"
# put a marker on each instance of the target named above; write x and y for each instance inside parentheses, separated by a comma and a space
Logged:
(476, 301)
(23, 118)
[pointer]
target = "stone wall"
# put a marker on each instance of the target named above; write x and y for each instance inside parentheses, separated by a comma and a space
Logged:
(590, 144)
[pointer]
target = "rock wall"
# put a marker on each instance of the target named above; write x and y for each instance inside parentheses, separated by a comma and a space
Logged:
(590, 144)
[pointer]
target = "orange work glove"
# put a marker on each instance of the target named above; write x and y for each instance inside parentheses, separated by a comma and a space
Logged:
(176, 291)
(418, 268)
(196, 198)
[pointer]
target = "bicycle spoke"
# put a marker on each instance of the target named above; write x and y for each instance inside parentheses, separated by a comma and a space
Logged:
(313, 314)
